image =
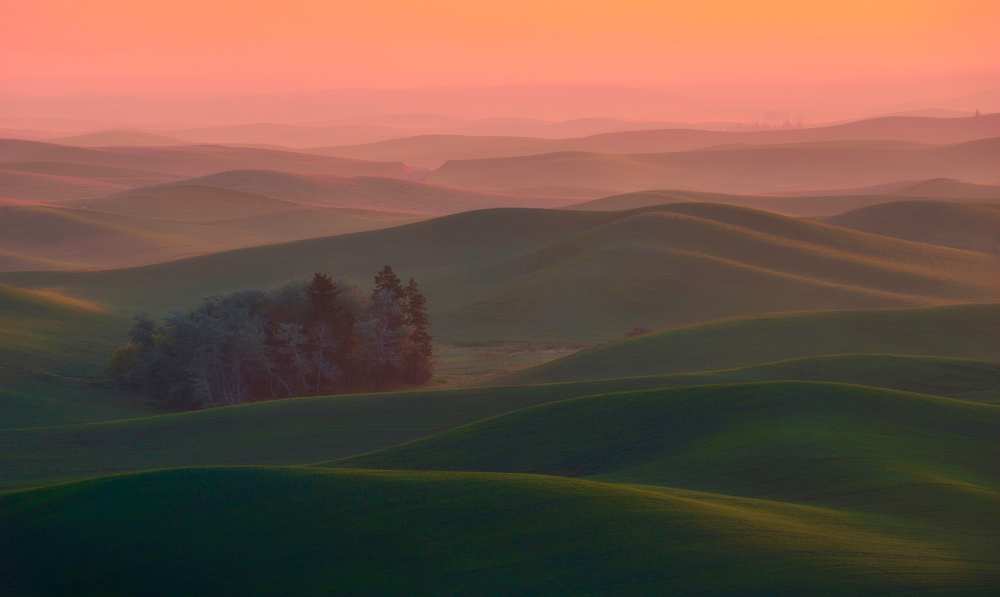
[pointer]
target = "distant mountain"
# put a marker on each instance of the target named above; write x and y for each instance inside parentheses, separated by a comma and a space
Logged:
(433, 150)
(117, 137)
(971, 226)
(765, 169)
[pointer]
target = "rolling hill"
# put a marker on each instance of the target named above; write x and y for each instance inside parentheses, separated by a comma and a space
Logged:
(53, 350)
(118, 137)
(735, 169)
(957, 331)
(309, 430)
(375, 193)
(934, 188)
(970, 226)
(515, 274)
(433, 150)
(194, 160)
(358, 532)
(194, 221)
(803, 206)
(187, 203)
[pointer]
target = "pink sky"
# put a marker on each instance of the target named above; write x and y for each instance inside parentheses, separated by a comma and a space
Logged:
(822, 57)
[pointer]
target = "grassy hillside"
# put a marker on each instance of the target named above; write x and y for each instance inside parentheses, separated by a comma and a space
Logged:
(53, 350)
(308, 430)
(970, 226)
(518, 274)
(35, 237)
(958, 331)
(928, 459)
(732, 169)
(294, 531)
(434, 150)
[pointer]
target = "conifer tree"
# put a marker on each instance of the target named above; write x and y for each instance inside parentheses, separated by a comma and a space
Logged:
(417, 358)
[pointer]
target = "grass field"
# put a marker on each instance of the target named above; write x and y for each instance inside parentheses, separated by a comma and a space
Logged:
(308, 430)
(53, 350)
(305, 532)
(968, 331)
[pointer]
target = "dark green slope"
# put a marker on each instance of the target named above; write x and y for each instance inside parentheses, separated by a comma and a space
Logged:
(318, 429)
(968, 331)
(298, 532)
(931, 461)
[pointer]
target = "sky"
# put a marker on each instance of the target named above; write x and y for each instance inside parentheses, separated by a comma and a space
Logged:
(820, 57)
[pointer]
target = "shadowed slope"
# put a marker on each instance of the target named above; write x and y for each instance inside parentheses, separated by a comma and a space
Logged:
(431, 533)
(970, 226)
(962, 331)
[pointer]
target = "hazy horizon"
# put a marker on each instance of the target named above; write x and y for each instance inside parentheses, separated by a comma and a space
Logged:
(111, 63)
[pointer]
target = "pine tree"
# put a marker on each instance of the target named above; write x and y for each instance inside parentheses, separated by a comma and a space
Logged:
(417, 357)
(387, 279)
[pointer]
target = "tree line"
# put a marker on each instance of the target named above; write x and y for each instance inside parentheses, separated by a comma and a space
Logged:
(318, 337)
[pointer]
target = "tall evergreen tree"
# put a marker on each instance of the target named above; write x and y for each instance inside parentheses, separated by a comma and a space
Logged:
(418, 354)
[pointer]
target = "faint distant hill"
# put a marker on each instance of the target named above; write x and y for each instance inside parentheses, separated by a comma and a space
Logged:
(934, 188)
(971, 226)
(365, 192)
(764, 169)
(187, 203)
(118, 137)
(805, 206)
(194, 160)
(434, 150)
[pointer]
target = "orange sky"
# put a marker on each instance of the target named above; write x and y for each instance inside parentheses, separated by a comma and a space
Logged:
(164, 48)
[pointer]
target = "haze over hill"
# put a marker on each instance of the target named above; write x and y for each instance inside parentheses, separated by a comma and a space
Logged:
(365, 192)
(117, 137)
(806, 205)
(518, 274)
(193, 160)
(737, 169)
(434, 150)
(934, 188)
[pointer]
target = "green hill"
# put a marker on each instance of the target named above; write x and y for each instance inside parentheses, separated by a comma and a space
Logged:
(294, 531)
(518, 274)
(970, 226)
(957, 331)
(825, 443)
(926, 459)
(317, 429)
(53, 350)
